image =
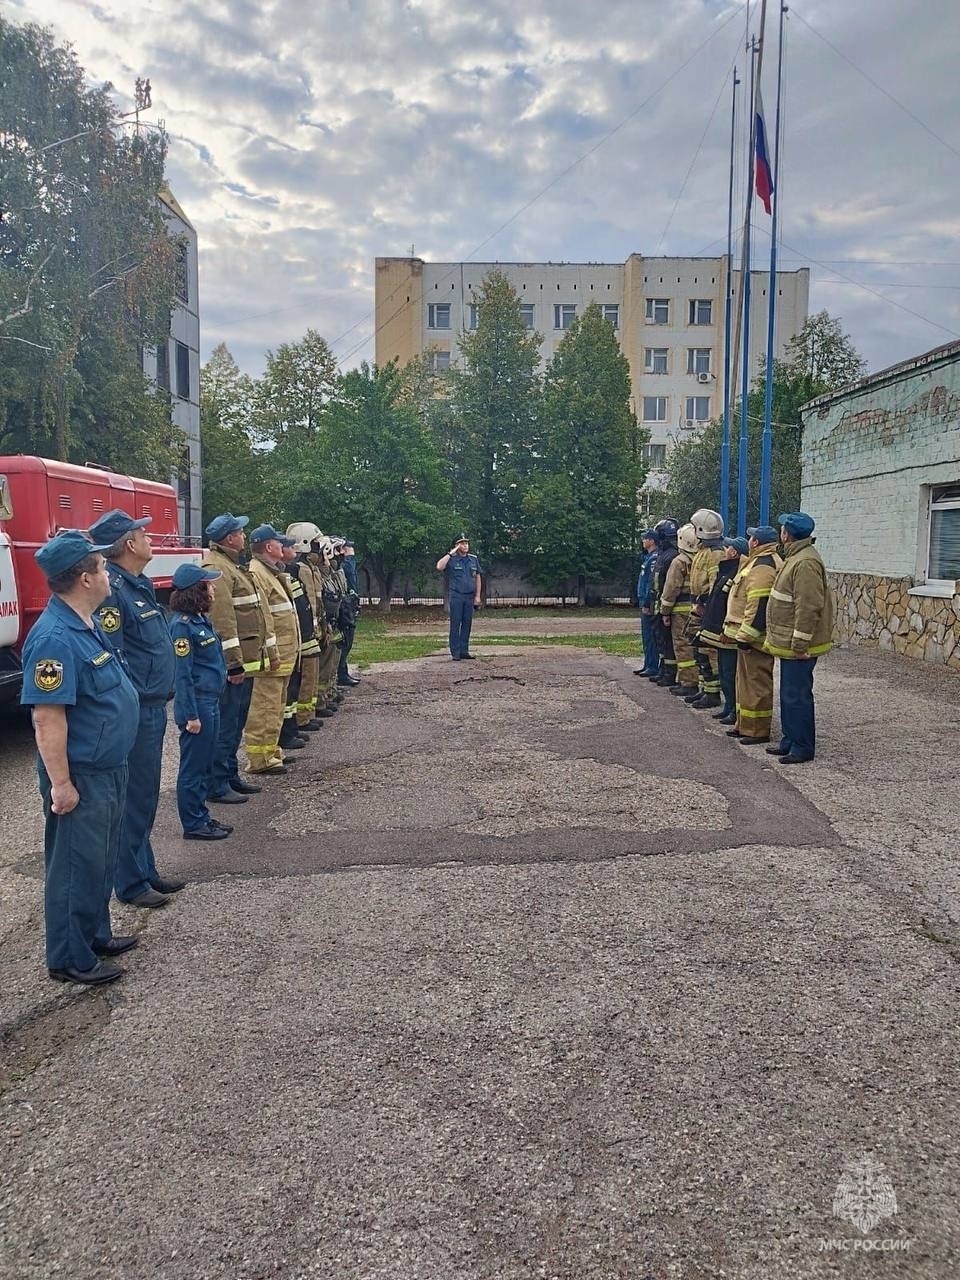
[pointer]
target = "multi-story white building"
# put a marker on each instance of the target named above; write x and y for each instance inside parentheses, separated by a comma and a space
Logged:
(668, 313)
(175, 367)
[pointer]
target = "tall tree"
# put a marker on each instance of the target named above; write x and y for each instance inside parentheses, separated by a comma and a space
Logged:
(819, 359)
(87, 270)
(299, 380)
(581, 505)
(492, 425)
(376, 475)
(232, 467)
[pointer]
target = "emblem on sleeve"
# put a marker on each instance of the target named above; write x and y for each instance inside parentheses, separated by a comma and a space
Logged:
(110, 618)
(181, 647)
(48, 674)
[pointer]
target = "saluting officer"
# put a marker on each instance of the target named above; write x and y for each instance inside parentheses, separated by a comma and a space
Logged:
(135, 624)
(85, 711)
(465, 581)
(201, 674)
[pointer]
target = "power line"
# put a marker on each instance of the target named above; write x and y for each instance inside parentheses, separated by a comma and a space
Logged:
(870, 80)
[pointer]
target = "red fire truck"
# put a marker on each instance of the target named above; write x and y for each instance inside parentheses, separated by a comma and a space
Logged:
(38, 497)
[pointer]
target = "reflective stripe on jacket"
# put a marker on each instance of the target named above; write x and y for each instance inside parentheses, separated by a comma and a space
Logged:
(285, 639)
(238, 614)
(675, 597)
(746, 620)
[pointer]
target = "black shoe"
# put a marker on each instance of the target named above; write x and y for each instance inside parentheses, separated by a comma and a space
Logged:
(209, 832)
(724, 716)
(116, 946)
(162, 885)
(694, 695)
(294, 744)
(753, 742)
(149, 898)
(325, 714)
(682, 691)
(96, 977)
(224, 826)
(229, 797)
(349, 681)
(310, 727)
(273, 771)
(778, 751)
(469, 657)
(707, 701)
(733, 733)
(244, 788)
(455, 658)
(794, 759)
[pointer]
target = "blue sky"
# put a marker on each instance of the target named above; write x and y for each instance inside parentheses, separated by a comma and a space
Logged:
(308, 138)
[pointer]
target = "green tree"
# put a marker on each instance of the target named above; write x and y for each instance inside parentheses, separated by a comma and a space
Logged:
(819, 359)
(581, 505)
(87, 271)
(374, 473)
(232, 467)
(299, 380)
(490, 431)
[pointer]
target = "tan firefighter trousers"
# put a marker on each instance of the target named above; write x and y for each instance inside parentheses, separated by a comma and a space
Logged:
(264, 722)
(754, 693)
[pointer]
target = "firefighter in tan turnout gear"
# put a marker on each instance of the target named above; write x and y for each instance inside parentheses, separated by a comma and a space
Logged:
(708, 526)
(307, 575)
(264, 753)
(242, 621)
(746, 625)
(675, 607)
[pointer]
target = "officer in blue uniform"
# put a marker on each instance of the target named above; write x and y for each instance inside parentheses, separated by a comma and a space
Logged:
(464, 582)
(200, 676)
(85, 720)
(645, 601)
(136, 626)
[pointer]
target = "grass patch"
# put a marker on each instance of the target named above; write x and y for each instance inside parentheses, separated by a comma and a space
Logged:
(377, 641)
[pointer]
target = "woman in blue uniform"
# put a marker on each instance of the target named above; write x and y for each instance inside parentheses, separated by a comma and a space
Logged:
(85, 715)
(199, 677)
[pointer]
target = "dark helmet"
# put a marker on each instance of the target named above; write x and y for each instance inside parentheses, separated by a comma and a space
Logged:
(666, 529)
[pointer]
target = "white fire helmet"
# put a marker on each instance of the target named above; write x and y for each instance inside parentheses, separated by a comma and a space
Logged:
(304, 533)
(707, 523)
(687, 538)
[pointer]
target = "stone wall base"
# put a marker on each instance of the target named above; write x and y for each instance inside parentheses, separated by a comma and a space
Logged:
(879, 613)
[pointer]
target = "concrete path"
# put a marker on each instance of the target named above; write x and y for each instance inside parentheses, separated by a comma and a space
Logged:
(525, 972)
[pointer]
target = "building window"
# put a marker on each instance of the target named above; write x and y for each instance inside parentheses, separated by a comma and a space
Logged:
(474, 316)
(183, 272)
(698, 360)
(658, 311)
(163, 366)
(943, 554)
(701, 311)
(439, 361)
(655, 359)
(438, 315)
(611, 312)
(564, 314)
(698, 408)
(183, 371)
(654, 408)
(526, 314)
(655, 456)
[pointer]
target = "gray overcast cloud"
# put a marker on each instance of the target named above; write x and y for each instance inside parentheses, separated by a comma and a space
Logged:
(308, 138)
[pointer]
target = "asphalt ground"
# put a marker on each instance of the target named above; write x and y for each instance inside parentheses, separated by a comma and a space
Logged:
(524, 971)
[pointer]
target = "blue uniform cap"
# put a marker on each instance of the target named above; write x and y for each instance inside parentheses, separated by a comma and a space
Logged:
(764, 533)
(221, 527)
(188, 575)
(798, 523)
(651, 534)
(742, 545)
(65, 550)
(266, 533)
(114, 525)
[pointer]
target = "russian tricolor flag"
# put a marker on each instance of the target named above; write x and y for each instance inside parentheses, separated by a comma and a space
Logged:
(762, 161)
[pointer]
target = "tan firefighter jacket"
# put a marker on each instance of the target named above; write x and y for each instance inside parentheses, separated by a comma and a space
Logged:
(800, 617)
(675, 597)
(238, 613)
(746, 620)
(274, 586)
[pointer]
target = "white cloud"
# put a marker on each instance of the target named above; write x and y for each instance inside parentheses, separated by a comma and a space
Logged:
(306, 139)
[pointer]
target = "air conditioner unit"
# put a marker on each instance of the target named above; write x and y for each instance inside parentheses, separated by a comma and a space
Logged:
(703, 377)
(690, 422)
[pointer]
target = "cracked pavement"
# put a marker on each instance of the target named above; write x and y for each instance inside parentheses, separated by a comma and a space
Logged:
(529, 973)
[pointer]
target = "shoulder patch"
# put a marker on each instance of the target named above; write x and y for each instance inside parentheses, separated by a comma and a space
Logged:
(48, 674)
(181, 647)
(110, 618)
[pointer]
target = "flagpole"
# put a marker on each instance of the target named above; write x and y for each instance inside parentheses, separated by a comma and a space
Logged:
(745, 272)
(725, 446)
(766, 461)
